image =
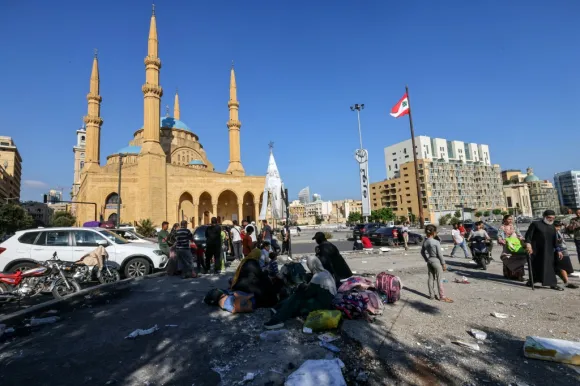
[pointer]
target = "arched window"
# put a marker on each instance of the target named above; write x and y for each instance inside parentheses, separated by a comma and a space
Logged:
(112, 199)
(82, 164)
(83, 138)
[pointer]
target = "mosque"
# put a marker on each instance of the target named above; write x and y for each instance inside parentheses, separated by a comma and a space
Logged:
(165, 171)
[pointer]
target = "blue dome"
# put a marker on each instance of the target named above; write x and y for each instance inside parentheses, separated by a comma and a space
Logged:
(172, 123)
(129, 150)
(531, 178)
(196, 162)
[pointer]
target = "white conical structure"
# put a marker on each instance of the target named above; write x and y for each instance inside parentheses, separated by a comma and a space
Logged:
(273, 192)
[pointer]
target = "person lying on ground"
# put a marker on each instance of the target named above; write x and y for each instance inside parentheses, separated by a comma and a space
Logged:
(250, 278)
(316, 295)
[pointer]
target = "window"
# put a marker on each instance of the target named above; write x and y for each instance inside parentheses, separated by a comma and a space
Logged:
(83, 138)
(54, 239)
(113, 237)
(86, 238)
(29, 237)
(389, 167)
(509, 202)
(82, 164)
(113, 199)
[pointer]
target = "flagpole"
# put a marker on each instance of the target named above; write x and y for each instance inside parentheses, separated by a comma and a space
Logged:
(417, 182)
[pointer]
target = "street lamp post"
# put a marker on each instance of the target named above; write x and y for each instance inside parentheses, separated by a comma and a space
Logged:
(119, 190)
(361, 156)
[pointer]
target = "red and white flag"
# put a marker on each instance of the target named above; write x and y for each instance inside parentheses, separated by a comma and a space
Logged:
(401, 108)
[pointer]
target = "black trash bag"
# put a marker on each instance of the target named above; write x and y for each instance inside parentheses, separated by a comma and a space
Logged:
(213, 297)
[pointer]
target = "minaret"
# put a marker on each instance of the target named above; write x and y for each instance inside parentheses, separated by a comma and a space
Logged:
(151, 164)
(93, 121)
(152, 92)
(176, 113)
(235, 167)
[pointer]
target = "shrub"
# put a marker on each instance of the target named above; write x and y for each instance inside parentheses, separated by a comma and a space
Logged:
(328, 235)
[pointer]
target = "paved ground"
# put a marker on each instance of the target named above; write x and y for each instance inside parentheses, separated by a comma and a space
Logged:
(207, 346)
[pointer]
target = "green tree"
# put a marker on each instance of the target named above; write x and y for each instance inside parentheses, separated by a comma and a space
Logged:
(63, 219)
(146, 228)
(454, 220)
(496, 212)
(383, 215)
(319, 220)
(13, 218)
(457, 214)
(354, 217)
(504, 213)
(478, 214)
(444, 220)
(486, 213)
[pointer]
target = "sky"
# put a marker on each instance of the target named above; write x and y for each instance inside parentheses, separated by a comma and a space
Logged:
(500, 73)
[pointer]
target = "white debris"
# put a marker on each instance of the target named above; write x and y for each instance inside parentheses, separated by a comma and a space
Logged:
(499, 315)
(478, 334)
(139, 332)
(473, 346)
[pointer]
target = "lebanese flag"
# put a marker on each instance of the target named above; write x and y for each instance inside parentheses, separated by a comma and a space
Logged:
(401, 108)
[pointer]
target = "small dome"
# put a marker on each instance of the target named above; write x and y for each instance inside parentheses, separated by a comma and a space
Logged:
(129, 150)
(531, 178)
(196, 162)
(172, 123)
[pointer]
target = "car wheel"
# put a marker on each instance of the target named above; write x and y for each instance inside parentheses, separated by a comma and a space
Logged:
(137, 267)
(23, 266)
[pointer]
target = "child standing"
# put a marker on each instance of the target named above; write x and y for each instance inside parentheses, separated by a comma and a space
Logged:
(431, 252)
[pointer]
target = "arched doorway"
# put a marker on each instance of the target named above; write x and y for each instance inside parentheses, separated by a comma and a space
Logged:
(248, 211)
(112, 218)
(110, 209)
(185, 209)
(204, 212)
(227, 206)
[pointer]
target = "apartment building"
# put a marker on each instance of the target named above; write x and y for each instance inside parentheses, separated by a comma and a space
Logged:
(512, 176)
(40, 212)
(434, 149)
(304, 195)
(318, 208)
(341, 209)
(11, 170)
(567, 185)
(452, 175)
(297, 210)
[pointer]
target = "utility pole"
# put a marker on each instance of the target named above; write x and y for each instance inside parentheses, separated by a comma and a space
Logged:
(417, 181)
(361, 155)
(119, 191)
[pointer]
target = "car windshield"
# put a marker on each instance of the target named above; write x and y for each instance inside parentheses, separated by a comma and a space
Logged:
(113, 237)
(199, 233)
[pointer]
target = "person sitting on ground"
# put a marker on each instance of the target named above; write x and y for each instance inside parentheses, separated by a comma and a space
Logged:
(563, 264)
(366, 242)
(251, 278)
(357, 245)
(431, 252)
(317, 295)
(331, 258)
(272, 267)
(265, 257)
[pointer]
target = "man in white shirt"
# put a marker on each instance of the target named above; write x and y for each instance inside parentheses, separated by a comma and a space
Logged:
(458, 241)
(236, 234)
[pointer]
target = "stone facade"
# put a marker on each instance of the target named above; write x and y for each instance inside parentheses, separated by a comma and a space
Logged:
(165, 172)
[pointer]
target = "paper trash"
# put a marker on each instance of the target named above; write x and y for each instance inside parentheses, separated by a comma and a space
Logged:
(555, 350)
(317, 373)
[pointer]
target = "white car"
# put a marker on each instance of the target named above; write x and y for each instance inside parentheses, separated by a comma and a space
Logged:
(131, 236)
(21, 251)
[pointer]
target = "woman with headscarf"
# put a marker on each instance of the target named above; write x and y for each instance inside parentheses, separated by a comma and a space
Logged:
(317, 295)
(513, 263)
(331, 258)
(250, 278)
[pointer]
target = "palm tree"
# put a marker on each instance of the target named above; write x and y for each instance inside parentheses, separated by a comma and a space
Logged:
(146, 228)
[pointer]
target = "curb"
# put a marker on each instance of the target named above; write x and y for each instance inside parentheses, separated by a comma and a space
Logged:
(73, 299)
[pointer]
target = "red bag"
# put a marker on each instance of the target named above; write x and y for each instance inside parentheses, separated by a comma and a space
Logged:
(390, 286)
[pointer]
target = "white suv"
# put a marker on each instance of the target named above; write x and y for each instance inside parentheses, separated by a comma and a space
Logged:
(25, 247)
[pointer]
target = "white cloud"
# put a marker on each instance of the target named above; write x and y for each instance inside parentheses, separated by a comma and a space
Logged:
(33, 184)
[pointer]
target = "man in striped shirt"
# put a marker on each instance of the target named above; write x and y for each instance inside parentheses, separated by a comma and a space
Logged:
(183, 237)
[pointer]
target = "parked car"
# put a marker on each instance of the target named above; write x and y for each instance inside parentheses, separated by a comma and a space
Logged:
(384, 235)
(365, 229)
(132, 236)
(21, 251)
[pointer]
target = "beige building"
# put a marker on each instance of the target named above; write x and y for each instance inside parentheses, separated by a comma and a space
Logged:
(543, 195)
(10, 170)
(446, 185)
(517, 198)
(166, 173)
(341, 209)
(512, 176)
(297, 211)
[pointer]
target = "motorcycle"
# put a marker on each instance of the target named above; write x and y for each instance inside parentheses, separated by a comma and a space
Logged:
(480, 251)
(83, 273)
(48, 277)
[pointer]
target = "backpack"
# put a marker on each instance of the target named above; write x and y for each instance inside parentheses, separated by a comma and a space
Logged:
(389, 285)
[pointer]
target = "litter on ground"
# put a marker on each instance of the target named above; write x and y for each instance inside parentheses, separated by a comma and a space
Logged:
(139, 332)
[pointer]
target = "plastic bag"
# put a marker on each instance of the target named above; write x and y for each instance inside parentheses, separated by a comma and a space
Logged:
(555, 350)
(323, 320)
(514, 245)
